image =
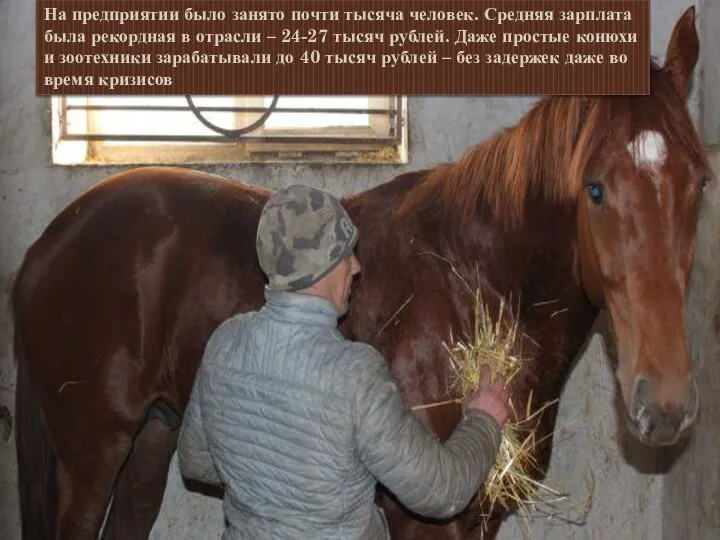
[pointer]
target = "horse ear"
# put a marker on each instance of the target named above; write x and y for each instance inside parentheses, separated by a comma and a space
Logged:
(682, 51)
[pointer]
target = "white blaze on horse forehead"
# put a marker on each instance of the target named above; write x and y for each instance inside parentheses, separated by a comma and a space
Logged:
(648, 149)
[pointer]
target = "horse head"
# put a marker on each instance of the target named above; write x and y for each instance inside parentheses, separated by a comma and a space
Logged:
(644, 172)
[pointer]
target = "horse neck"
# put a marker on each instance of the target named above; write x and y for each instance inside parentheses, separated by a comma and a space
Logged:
(533, 267)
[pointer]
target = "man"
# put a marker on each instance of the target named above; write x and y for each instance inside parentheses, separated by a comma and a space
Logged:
(298, 423)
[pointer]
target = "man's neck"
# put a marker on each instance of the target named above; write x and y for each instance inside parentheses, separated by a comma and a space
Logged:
(320, 289)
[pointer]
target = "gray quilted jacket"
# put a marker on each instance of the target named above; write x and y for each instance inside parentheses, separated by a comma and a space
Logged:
(297, 424)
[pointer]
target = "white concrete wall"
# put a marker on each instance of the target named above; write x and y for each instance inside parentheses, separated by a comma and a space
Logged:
(709, 25)
(691, 492)
(627, 503)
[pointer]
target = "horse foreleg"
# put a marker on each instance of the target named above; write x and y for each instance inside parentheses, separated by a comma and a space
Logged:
(141, 485)
(84, 486)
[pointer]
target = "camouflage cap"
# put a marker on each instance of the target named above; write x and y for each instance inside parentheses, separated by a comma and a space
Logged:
(302, 235)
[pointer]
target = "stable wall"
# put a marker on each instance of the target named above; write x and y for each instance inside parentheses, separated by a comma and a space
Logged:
(627, 501)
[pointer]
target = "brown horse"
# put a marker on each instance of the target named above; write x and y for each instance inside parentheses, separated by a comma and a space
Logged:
(588, 203)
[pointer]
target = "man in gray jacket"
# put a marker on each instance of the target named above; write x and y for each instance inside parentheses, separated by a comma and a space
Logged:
(298, 423)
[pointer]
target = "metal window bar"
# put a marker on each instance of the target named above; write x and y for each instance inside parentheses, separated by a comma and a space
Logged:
(394, 113)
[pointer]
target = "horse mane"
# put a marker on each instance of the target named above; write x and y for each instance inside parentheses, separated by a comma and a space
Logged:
(547, 153)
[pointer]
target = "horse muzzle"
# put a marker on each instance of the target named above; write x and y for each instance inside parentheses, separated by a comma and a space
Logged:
(662, 422)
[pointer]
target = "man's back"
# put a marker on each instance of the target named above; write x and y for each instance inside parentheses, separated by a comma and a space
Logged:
(276, 395)
(299, 423)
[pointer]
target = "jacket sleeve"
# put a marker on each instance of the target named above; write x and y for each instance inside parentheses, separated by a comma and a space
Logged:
(432, 478)
(193, 453)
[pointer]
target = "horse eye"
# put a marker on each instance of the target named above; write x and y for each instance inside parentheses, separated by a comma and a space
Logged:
(596, 193)
(703, 185)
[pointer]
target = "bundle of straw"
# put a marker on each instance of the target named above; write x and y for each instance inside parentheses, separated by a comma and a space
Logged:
(510, 482)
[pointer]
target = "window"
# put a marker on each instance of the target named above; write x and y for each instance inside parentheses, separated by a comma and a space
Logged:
(108, 130)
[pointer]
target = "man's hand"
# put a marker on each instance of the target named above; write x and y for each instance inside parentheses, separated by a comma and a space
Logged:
(490, 397)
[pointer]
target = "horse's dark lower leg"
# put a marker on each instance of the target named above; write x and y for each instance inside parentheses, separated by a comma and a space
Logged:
(82, 498)
(141, 484)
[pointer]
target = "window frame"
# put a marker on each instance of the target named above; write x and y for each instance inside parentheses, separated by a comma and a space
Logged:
(363, 145)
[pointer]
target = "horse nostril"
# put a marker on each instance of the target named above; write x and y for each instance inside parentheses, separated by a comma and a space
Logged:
(642, 395)
(640, 411)
(692, 407)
